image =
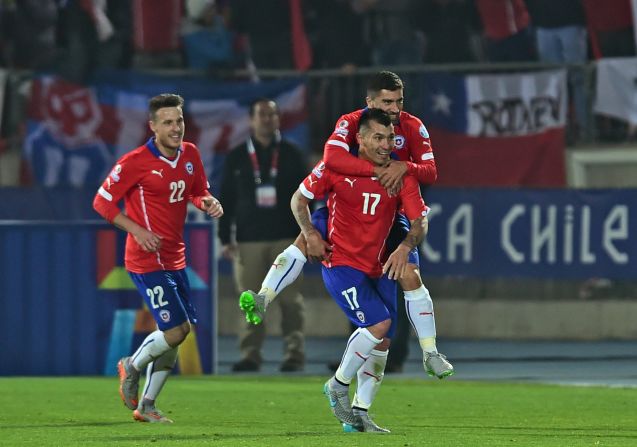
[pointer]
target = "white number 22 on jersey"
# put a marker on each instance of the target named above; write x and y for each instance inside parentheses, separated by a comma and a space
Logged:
(177, 191)
(156, 296)
(367, 209)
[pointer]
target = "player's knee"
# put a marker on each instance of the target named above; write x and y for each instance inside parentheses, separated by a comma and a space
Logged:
(379, 330)
(176, 336)
(411, 279)
(383, 345)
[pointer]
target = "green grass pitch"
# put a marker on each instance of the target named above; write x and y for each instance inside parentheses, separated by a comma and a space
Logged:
(292, 411)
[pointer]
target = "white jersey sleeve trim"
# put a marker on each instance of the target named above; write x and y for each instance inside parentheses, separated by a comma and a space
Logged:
(427, 156)
(338, 143)
(306, 192)
(107, 195)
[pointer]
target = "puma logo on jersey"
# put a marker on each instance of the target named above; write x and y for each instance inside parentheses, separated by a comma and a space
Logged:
(351, 182)
(159, 173)
(312, 181)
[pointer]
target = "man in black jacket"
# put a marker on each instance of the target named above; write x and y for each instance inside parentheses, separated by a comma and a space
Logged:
(259, 178)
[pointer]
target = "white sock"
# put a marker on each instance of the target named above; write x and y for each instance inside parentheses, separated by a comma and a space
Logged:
(157, 373)
(420, 311)
(152, 348)
(283, 272)
(369, 378)
(359, 345)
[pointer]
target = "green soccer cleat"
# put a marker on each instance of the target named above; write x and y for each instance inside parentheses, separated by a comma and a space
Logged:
(436, 364)
(253, 304)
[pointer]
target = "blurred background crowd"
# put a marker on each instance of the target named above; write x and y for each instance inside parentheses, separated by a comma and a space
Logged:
(76, 36)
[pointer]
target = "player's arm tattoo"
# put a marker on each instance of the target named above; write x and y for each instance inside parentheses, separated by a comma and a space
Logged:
(416, 232)
(301, 211)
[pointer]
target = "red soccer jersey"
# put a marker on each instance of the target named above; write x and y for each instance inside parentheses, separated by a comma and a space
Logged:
(412, 144)
(361, 214)
(156, 192)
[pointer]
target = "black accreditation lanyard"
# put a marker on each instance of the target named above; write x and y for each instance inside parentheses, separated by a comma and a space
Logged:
(265, 193)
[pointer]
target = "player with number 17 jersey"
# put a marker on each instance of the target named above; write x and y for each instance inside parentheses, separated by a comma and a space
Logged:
(356, 203)
(156, 191)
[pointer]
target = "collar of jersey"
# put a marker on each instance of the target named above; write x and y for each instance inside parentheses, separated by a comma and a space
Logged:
(152, 147)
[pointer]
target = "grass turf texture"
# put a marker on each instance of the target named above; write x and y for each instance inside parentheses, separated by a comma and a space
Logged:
(275, 411)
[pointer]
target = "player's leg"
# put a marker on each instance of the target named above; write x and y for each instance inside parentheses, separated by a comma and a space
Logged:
(356, 296)
(420, 312)
(166, 294)
(157, 373)
(418, 304)
(285, 269)
(292, 308)
(250, 263)
(370, 375)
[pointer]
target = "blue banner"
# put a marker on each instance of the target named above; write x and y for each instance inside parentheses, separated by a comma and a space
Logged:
(561, 234)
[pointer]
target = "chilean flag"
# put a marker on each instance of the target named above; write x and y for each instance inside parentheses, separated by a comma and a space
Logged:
(75, 133)
(498, 130)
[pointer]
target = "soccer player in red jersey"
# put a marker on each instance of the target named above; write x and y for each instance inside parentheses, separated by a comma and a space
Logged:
(156, 182)
(361, 215)
(415, 156)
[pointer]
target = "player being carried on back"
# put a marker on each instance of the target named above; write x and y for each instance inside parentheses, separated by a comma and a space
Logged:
(415, 156)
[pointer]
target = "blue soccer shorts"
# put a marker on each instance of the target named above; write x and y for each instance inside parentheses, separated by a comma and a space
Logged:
(365, 301)
(166, 293)
(397, 234)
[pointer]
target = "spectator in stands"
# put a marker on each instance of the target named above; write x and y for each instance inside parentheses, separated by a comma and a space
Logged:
(338, 35)
(506, 29)
(610, 24)
(32, 33)
(560, 28)
(94, 34)
(450, 29)
(267, 28)
(395, 38)
(207, 43)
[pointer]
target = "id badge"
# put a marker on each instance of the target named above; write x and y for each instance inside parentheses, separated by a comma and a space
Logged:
(266, 196)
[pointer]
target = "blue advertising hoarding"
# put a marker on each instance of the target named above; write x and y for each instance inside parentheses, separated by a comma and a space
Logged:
(69, 307)
(543, 233)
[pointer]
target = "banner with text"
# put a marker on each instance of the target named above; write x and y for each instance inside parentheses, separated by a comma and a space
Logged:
(561, 234)
(497, 129)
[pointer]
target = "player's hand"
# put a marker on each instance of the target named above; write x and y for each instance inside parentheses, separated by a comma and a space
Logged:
(148, 240)
(229, 251)
(212, 207)
(317, 249)
(396, 265)
(391, 175)
(394, 191)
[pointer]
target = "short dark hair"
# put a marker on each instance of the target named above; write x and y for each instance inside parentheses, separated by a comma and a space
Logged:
(377, 115)
(384, 80)
(253, 105)
(163, 100)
